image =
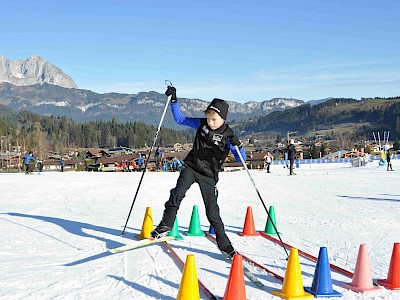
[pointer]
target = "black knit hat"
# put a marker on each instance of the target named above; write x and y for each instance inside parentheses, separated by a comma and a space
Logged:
(219, 106)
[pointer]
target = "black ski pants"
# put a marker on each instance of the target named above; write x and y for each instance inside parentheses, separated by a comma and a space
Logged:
(209, 193)
(291, 163)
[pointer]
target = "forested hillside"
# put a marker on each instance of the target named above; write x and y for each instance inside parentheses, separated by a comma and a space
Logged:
(336, 115)
(56, 133)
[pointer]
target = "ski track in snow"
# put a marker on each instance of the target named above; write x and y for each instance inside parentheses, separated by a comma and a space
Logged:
(56, 229)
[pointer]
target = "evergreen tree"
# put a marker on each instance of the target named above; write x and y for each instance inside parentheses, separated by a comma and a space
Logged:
(396, 145)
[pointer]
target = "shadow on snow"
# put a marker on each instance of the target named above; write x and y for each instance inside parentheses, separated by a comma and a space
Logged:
(370, 198)
(145, 290)
(76, 228)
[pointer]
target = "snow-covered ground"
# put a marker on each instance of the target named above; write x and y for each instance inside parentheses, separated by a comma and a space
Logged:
(56, 228)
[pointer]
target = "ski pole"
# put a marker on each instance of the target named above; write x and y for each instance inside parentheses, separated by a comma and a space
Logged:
(148, 158)
(261, 199)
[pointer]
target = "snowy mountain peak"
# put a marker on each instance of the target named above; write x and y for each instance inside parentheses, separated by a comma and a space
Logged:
(33, 70)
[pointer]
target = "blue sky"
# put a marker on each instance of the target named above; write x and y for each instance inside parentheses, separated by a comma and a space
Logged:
(236, 50)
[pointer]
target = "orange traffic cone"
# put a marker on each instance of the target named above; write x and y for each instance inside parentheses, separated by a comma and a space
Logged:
(248, 228)
(393, 279)
(293, 283)
(362, 278)
(189, 287)
(148, 225)
(235, 288)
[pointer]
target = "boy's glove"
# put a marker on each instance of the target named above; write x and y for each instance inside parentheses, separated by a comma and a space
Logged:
(171, 91)
(236, 142)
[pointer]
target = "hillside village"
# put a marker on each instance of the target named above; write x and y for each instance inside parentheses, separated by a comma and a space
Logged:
(123, 159)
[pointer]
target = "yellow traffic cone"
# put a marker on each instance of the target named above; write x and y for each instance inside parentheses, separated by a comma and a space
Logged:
(148, 225)
(293, 283)
(189, 287)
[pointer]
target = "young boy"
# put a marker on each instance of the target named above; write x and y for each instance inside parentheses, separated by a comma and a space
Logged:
(268, 160)
(213, 140)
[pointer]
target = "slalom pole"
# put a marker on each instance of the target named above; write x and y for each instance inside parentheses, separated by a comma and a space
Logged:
(374, 137)
(379, 138)
(261, 199)
(147, 160)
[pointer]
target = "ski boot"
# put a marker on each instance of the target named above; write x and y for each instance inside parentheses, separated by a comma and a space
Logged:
(229, 251)
(161, 231)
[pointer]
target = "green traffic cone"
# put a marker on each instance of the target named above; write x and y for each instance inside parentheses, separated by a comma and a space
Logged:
(194, 227)
(269, 227)
(175, 231)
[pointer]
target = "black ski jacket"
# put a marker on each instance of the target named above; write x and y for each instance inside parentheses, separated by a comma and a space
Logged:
(210, 148)
(291, 150)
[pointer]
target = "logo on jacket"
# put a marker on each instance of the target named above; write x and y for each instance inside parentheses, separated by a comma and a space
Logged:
(204, 130)
(217, 138)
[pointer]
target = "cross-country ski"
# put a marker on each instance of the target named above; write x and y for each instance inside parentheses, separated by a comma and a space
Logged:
(141, 243)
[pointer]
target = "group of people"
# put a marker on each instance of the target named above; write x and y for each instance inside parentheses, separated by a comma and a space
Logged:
(26, 160)
(123, 166)
(28, 165)
(173, 165)
(290, 153)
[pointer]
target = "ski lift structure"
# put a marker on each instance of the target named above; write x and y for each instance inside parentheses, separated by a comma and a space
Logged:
(384, 146)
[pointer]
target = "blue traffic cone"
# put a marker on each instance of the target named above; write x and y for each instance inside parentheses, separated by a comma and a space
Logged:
(322, 281)
(211, 230)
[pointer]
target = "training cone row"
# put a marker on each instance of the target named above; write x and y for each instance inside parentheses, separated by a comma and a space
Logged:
(189, 286)
(292, 287)
(249, 228)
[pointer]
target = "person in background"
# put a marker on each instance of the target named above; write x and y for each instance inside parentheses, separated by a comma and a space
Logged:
(165, 165)
(157, 155)
(39, 166)
(140, 161)
(62, 164)
(133, 164)
(268, 160)
(212, 143)
(389, 157)
(291, 152)
(123, 166)
(27, 159)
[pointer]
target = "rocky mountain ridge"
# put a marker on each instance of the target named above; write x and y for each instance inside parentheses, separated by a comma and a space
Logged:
(33, 70)
(85, 105)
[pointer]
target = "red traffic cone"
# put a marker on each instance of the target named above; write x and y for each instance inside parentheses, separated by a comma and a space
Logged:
(393, 279)
(362, 278)
(235, 288)
(248, 228)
